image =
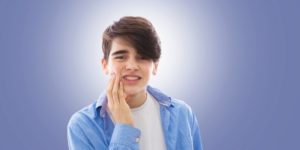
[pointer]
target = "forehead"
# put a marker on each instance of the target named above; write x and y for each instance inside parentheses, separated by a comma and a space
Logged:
(121, 44)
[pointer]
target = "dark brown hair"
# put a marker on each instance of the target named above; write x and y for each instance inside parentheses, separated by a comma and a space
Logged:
(137, 31)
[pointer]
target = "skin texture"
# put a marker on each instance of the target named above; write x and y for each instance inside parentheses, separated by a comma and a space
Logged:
(122, 93)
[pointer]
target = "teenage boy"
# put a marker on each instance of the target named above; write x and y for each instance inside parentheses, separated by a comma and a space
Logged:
(130, 114)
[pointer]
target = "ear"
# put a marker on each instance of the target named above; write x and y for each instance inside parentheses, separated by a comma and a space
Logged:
(154, 71)
(104, 64)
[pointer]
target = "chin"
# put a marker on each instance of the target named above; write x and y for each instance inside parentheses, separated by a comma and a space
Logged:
(130, 91)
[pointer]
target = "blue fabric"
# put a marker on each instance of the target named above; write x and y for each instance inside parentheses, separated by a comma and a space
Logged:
(92, 129)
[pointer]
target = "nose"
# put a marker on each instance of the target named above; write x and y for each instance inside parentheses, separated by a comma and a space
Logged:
(131, 64)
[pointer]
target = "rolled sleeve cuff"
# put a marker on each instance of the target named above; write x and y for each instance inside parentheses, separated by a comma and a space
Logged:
(126, 135)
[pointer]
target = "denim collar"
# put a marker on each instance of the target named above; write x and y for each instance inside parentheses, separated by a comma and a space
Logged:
(161, 98)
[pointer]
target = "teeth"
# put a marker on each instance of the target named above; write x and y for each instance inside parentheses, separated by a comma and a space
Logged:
(131, 78)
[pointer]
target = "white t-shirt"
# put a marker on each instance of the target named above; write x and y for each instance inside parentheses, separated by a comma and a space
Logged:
(147, 119)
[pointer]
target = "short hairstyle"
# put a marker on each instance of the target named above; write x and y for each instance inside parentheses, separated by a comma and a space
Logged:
(137, 31)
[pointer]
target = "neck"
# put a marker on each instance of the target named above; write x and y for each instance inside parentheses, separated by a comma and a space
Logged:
(136, 100)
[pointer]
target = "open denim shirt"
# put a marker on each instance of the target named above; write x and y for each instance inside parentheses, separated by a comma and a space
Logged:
(92, 128)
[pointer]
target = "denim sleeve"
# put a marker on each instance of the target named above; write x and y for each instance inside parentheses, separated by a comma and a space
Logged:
(77, 139)
(196, 134)
(125, 137)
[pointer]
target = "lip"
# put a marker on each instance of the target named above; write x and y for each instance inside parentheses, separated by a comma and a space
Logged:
(131, 82)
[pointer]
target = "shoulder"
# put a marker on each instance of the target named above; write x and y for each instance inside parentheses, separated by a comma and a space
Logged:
(181, 106)
(177, 105)
(83, 117)
(184, 113)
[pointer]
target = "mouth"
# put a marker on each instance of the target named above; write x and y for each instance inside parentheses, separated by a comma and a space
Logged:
(131, 79)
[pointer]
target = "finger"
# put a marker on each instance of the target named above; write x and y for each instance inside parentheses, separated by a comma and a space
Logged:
(121, 93)
(109, 90)
(115, 89)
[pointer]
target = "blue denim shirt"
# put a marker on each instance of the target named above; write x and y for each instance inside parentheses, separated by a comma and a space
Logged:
(92, 129)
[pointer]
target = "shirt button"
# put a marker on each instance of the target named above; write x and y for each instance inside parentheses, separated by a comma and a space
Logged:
(137, 140)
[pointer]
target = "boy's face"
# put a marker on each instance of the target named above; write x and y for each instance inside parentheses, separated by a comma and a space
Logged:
(133, 70)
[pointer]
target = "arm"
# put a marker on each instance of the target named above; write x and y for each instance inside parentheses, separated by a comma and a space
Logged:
(124, 137)
(77, 140)
(117, 104)
(196, 134)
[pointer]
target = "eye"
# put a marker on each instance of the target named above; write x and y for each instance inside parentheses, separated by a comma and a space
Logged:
(120, 57)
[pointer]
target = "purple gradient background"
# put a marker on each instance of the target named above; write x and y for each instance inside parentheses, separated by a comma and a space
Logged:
(235, 62)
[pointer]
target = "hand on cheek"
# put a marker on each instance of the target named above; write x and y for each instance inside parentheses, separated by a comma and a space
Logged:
(117, 104)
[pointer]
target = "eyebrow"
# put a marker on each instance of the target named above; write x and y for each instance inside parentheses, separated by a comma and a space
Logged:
(118, 52)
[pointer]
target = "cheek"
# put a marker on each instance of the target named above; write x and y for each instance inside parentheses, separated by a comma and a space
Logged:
(115, 67)
(147, 72)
